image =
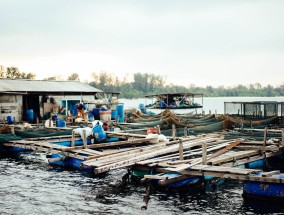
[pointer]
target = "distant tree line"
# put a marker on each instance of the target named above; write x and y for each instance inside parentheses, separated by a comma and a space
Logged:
(147, 83)
(13, 73)
(142, 84)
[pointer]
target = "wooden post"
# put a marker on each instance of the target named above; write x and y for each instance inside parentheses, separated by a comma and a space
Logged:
(282, 136)
(265, 136)
(37, 122)
(204, 153)
(174, 131)
(84, 139)
(73, 139)
(12, 129)
(215, 113)
(180, 149)
(14, 120)
(50, 122)
(185, 132)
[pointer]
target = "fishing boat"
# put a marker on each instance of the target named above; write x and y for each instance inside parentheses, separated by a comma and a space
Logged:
(174, 101)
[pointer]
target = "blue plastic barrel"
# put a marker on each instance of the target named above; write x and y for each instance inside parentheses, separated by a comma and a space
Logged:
(74, 110)
(61, 123)
(114, 114)
(91, 117)
(10, 120)
(30, 115)
(120, 111)
(99, 133)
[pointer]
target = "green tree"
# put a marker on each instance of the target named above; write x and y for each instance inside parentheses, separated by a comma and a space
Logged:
(2, 72)
(30, 75)
(53, 78)
(13, 72)
(73, 77)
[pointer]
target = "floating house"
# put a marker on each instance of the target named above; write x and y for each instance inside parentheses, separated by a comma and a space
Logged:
(175, 101)
(43, 97)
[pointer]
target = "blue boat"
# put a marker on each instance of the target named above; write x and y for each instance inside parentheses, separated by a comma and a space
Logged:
(71, 162)
(267, 191)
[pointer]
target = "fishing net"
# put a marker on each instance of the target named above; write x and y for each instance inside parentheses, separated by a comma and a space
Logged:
(4, 138)
(31, 133)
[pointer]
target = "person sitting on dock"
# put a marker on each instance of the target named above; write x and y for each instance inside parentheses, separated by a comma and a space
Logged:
(81, 110)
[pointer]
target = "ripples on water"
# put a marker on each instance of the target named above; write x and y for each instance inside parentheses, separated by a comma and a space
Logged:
(28, 185)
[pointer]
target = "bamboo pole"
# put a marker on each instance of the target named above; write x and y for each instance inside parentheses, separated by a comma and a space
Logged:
(282, 136)
(12, 129)
(265, 136)
(180, 150)
(73, 139)
(174, 131)
(84, 139)
(204, 153)
(185, 131)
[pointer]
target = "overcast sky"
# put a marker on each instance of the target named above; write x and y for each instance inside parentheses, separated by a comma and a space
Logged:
(201, 42)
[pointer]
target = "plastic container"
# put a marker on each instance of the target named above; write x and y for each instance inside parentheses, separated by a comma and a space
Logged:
(30, 115)
(10, 120)
(74, 110)
(91, 117)
(61, 123)
(105, 115)
(120, 112)
(114, 114)
(99, 133)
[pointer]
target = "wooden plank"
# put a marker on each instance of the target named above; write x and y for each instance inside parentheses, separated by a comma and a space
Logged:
(157, 177)
(268, 174)
(145, 156)
(181, 150)
(204, 153)
(227, 148)
(234, 157)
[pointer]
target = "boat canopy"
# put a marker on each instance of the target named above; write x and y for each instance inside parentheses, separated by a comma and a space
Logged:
(175, 100)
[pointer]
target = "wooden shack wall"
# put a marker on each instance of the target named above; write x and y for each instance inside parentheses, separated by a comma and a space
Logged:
(11, 105)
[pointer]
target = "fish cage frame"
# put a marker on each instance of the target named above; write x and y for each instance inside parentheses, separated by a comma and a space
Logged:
(255, 109)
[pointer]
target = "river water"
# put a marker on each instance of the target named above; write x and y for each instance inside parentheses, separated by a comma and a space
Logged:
(28, 185)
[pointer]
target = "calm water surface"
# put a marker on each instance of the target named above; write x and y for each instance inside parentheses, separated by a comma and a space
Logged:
(28, 185)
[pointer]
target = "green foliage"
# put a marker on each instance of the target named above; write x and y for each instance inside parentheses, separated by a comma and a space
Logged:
(73, 77)
(147, 83)
(13, 73)
(50, 78)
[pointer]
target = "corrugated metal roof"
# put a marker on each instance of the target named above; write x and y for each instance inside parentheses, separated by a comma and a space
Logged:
(41, 86)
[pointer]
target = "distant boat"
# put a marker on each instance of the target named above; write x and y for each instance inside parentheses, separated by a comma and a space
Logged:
(175, 101)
